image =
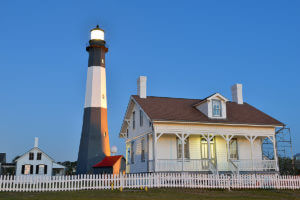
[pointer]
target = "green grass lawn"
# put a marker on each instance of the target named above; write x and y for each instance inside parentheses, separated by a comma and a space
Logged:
(152, 194)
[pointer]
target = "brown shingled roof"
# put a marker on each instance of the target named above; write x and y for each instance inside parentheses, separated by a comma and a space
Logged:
(179, 109)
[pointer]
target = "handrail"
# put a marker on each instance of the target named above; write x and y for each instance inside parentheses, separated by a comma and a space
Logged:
(212, 167)
(233, 167)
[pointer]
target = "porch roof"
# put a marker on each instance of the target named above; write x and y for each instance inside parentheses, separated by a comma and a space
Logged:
(180, 109)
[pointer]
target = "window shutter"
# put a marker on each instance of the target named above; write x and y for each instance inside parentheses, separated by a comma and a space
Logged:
(23, 169)
(31, 169)
(45, 169)
(37, 169)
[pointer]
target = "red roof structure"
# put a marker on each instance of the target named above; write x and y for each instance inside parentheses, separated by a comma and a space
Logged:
(108, 161)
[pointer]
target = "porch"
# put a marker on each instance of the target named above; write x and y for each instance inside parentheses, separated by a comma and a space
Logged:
(210, 153)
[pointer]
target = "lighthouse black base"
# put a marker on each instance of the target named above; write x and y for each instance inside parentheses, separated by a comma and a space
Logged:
(90, 150)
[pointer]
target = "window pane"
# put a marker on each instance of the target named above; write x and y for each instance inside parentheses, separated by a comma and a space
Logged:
(233, 149)
(27, 169)
(216, 106)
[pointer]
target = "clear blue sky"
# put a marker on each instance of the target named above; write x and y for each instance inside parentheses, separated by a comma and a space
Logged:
(185, 48)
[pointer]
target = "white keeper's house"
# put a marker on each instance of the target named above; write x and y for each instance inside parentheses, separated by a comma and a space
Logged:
(35, 162)
(209, 135)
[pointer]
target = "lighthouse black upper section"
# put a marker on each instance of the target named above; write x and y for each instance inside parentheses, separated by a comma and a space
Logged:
(97, 50)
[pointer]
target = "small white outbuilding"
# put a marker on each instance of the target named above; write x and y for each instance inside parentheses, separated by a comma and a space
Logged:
(35, 162)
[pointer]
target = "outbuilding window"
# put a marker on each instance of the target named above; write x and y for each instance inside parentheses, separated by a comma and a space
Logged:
(31, 156)
(39, 156)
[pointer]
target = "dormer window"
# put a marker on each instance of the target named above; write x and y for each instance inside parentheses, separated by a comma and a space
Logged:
(216, 108)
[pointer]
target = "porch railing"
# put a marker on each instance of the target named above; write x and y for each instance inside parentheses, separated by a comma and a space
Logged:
(235, 166)
(175, 165)
(255, 165)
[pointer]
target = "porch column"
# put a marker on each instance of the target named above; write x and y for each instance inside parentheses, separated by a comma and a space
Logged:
(251, 140)
(227, 138)
(273, 140)
(182, 151)
(208, 139)
(154, 140)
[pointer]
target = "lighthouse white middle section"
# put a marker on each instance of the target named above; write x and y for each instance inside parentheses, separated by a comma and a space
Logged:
(95, 95)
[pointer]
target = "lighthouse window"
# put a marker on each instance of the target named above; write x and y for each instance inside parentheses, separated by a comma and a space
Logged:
(141, 118)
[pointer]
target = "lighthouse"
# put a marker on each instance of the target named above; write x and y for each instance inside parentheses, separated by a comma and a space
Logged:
(94, 142)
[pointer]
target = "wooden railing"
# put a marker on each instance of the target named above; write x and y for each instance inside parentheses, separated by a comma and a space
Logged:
(255, 165)
(149, 180)
(175, 165)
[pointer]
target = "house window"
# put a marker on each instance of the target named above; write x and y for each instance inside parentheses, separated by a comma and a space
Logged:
(133, 120)
(150, 123)
(127, 133)
(141, 118)
(132, 152)
(39, 156)
(216, 106)
(31, 156)
(27, 169)
(186, 148)
(204, 148)
(143, 150)
(233, 146)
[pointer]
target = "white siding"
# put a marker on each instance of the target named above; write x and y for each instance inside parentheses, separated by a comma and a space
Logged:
(24, 160)
(244, 148)
(166, 147)
(195, 151)
(138, 165)
(138, 130)
(221, 152)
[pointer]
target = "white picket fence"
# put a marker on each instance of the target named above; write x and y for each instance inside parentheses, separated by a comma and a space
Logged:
(149, 180)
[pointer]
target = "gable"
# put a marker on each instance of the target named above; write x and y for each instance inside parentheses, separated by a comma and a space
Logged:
(36, 150)
(127, 124)
(206, 106)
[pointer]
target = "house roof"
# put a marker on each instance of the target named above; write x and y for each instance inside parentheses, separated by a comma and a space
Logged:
(180, 109)
(108, 161)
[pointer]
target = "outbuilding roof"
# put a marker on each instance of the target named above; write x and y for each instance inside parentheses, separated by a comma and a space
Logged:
(108, 161)
(181, 109)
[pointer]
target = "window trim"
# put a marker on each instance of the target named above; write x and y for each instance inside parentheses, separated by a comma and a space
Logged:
(237, 149)
(39, 156)
(141, 118)
(133, 119)
(143, 150)
(132, 152)
(186, 148)
(212, 104)
(31, 153)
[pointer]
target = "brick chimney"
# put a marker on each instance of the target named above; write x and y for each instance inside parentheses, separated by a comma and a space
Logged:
(142, 87)
(237, 93)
